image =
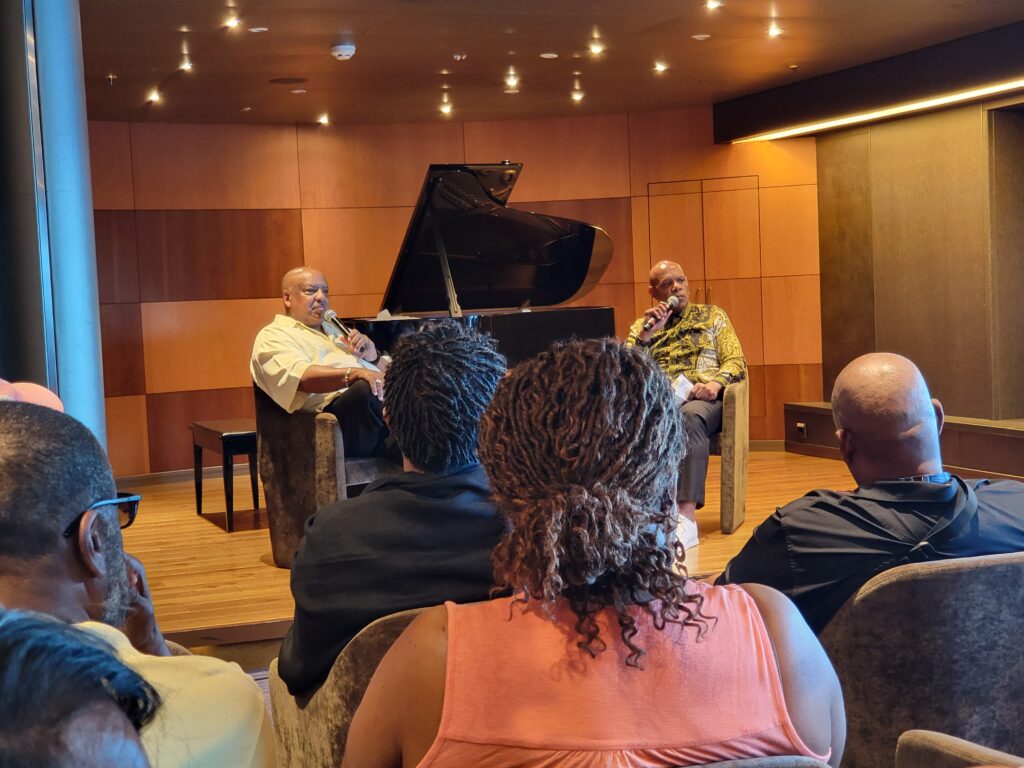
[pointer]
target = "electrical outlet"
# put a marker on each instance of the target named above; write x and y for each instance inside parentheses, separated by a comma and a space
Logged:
(801, 429)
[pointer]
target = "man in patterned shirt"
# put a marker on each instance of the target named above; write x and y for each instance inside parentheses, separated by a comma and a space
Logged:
(697, 341)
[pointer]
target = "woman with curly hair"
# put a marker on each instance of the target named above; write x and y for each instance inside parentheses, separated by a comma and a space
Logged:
(605, 654)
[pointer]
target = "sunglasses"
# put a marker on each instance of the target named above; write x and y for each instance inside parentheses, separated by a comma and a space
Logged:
(127, 508)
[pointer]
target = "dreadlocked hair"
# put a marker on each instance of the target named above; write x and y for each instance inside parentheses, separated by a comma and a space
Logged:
(582, 446)
(437, 385)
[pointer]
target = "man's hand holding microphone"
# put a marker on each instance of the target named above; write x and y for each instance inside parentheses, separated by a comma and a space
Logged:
(656, 317)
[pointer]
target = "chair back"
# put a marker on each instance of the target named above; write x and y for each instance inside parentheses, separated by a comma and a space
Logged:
(313, 732)
(936, 646)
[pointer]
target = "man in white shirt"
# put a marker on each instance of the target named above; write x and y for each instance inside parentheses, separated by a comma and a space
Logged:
(61, 553)
(305, 364)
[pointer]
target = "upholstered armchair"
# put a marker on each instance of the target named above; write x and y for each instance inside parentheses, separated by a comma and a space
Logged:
(927, 749)
(303, 467)
(932, 645)
(733, 445)
(313, 732)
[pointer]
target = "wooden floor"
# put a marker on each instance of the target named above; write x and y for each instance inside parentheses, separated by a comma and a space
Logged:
(210, 587)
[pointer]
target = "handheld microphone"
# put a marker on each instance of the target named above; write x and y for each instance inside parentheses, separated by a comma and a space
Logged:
(672, 302)
(332, 317)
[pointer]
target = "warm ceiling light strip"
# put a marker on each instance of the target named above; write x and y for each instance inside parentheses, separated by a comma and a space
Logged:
(882, 114)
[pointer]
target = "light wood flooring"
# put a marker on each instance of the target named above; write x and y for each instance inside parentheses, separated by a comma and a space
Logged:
(210, 587)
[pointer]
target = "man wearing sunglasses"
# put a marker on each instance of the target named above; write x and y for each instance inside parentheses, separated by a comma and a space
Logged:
(61, 553)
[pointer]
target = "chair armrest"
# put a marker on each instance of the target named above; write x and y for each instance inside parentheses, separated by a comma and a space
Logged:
(928, 749)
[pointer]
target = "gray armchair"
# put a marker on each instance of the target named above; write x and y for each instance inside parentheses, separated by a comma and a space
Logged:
(927, 749)
(733, 445)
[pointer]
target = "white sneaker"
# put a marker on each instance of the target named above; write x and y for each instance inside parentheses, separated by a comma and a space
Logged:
(687, 533)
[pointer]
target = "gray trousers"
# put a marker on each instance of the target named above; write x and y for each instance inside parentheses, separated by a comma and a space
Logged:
(701, 421)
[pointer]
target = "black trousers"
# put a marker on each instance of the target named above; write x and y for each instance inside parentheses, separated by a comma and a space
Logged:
(701, 420)
(360, 415)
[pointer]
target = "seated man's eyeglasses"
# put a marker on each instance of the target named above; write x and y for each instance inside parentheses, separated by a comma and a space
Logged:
(127, 508)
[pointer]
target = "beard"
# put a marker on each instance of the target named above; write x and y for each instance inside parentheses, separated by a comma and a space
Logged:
(118, 599)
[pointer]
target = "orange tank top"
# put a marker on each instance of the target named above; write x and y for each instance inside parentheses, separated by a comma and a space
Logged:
(518, 692)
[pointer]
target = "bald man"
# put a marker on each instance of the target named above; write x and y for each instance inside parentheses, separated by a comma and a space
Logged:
(698, 342)
(822, 548)
(305, 364)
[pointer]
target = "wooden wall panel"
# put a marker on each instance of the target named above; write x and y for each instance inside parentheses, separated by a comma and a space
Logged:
(197, 255)
(356, 248)
(619, 297)
(741, 299)
(127, 435)
(565, 158)
(202, 344)
(676, 225)
(728, 183)
(731, 234)
(214, 166)
(640, 218)
(123, 364)
(846, 253)
(789, 230)
(788, 384)
(110, 161)
(372, 166)
(169, 414)
(612, 215)
(758, 419)
(677, 144)
(792, 324)
(930, 233)
(641, 298)
(117, 261)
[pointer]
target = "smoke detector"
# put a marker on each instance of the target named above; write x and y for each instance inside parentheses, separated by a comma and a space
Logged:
(343, 51)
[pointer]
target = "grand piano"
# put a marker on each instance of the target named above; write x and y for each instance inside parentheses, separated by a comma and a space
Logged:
(501, 270)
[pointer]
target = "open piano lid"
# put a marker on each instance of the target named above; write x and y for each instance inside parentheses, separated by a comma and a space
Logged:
(497, 257)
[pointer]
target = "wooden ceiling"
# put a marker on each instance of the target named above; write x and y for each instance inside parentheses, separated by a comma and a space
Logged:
(404, 45)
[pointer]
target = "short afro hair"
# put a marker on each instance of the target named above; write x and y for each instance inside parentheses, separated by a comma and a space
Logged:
(440, 380)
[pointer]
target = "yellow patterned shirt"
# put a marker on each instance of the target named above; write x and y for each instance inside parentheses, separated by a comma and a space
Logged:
(699, 342)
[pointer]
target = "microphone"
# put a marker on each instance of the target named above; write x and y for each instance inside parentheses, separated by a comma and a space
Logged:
(332, 317)
(672, 302)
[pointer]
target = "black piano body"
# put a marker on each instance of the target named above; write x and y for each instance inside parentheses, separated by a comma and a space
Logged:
(501, 270)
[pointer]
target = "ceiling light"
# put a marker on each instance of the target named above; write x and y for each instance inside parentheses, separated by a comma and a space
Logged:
(247, 109)
(774, 30)
(700, 38)
(298, 91)
(887, 112)
(596, 47)
(511, 90)
(712, 4)
(446, 104)
(111, 77)
(324, 119)
(186, 64)
(577, 92)
(257, 30)
(232, 22)
(443, 72)
(549, 55)
(460, 56)
(153, 97)
(512, 79)
(660, 66)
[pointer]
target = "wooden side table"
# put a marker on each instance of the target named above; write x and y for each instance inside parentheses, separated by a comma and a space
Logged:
(227, 437)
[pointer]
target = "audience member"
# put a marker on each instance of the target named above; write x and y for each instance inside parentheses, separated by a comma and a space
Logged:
(65, 699)
(822, 548)
(605, 654)
(698, 342)
(61, 553)
(413, 539)
(305, 364)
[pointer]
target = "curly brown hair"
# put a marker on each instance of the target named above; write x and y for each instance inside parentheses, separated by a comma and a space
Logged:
(582, 445)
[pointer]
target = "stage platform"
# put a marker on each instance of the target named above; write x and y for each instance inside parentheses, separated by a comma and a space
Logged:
(211, 588)
(970, 447)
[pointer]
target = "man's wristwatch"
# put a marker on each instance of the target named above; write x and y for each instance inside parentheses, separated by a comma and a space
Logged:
(347, 372)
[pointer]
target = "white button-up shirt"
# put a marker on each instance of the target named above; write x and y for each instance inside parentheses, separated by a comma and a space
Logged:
(284, 350)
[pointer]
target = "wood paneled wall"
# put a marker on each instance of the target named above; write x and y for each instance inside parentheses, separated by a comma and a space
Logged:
(195, 224)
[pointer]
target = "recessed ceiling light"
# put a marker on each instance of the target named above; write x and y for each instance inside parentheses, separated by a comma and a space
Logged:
(324, 119)
(232, 22)
(512, 79)
(186, 65)
(446, 104)
(257, 30)
(774, 30)
(549, 55)
(153, 97)
(712, 4)
(511, 90)
(700, 38)
(596, 47)
(577, 92)
(460, 56)
(247, 109)
(297, 91)
(660, 66)
(111, 77)
(184, 28)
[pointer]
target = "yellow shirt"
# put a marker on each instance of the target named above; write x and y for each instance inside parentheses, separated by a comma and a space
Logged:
(699, 342)
(212, 714)
(284, 350)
